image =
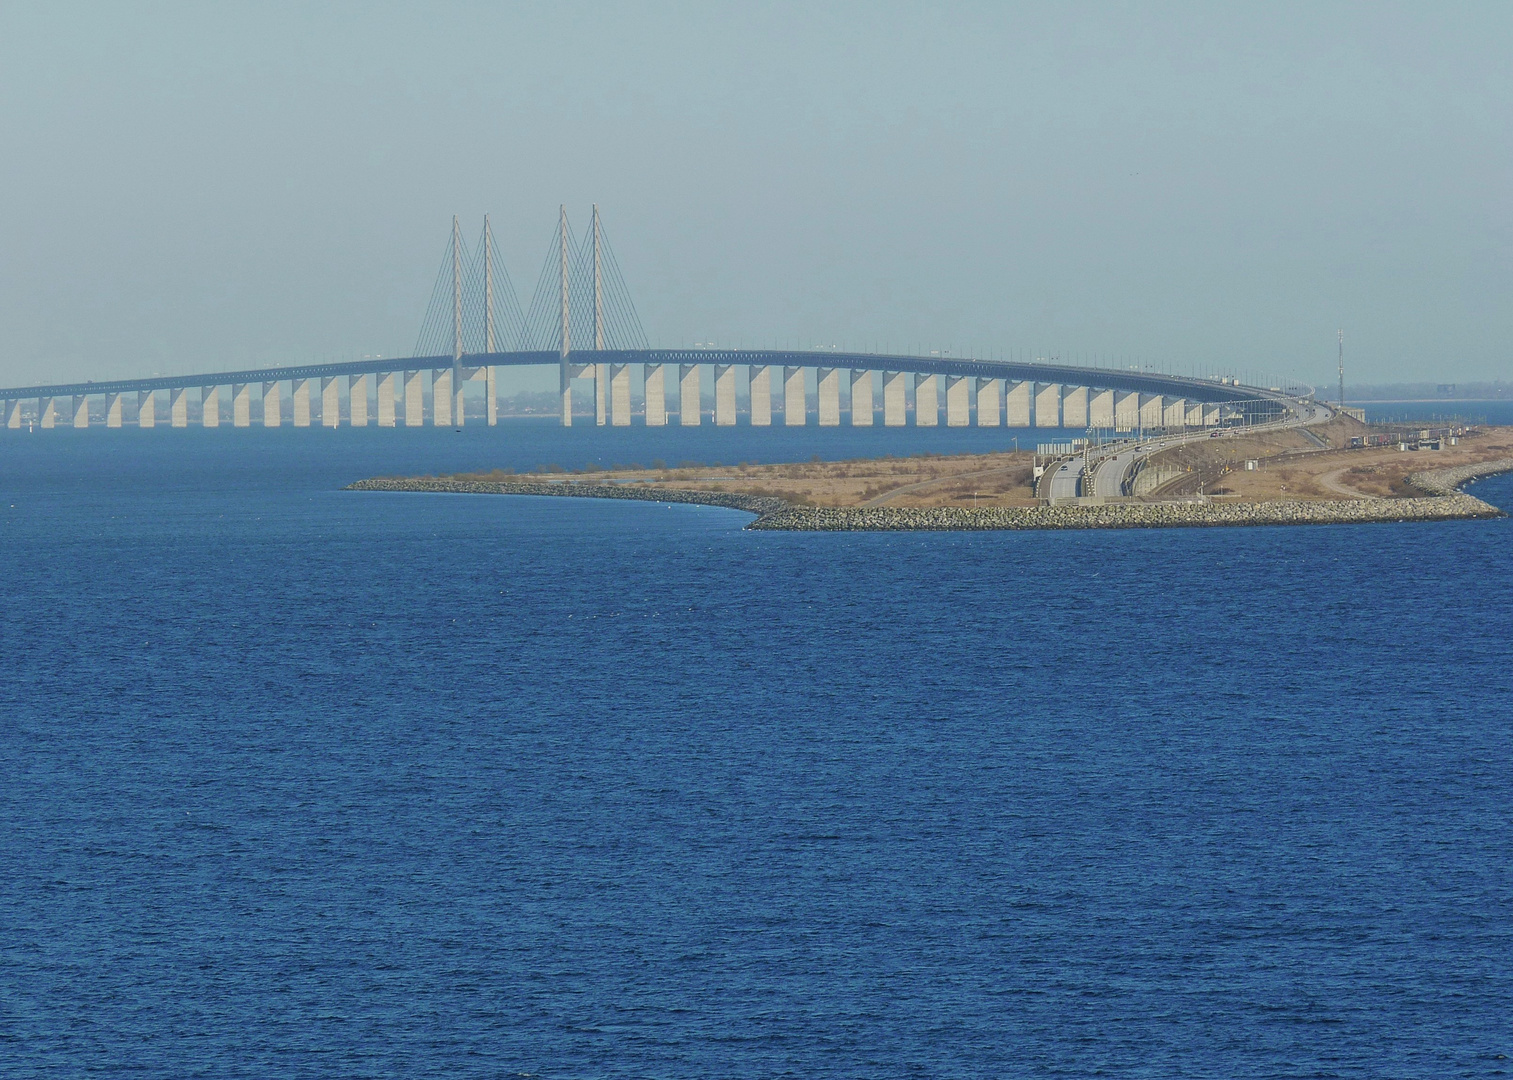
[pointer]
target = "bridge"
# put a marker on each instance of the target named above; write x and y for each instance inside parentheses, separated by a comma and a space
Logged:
(474, 326)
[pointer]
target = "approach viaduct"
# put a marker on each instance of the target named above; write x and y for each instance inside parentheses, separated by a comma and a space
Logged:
(581, 299)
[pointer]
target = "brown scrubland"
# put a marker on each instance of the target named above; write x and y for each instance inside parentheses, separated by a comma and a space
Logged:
(1290, 465)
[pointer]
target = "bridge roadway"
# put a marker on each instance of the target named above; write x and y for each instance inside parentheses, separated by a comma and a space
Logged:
(1111, 473)
(1075, 396)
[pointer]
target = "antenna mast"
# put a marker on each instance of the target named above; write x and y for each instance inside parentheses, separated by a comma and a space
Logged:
(1342, 368)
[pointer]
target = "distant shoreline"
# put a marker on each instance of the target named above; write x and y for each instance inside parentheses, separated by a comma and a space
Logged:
(1447, 502)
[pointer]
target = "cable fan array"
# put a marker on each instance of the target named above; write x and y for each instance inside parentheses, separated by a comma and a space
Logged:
(491, 317)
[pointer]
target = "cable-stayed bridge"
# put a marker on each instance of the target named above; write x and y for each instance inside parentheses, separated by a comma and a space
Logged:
(582, 321)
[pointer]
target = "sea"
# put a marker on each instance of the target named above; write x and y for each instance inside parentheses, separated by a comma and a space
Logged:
(303, 782)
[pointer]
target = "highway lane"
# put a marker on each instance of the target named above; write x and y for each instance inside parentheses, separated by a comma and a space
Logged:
(1066, 480)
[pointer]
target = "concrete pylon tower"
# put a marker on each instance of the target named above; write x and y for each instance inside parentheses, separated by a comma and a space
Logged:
(600, 375)
(566, 339)
(490, 372)
(456, 388)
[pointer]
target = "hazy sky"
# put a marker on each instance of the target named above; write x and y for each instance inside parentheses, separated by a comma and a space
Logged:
(208, 186)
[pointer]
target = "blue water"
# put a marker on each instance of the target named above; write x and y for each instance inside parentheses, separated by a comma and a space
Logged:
(298, 782)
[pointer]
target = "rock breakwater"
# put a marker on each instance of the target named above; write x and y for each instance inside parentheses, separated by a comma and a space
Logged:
(1444, 502)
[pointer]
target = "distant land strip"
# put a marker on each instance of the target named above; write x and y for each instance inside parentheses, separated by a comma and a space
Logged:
(1446, 502)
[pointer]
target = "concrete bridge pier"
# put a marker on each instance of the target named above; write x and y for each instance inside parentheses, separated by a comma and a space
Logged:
(927, 401)
(1074, 407)
(688, 395)
(795, 403)
(1048, 405)
(989, 402)
(241, 405)
(828, 385)
(761, 396)
(1194, 417)
(178, 407)
(1126, 410)
(300, 401)
(299, 393)
(1100, 410)
(656, 395)
(491, 393)
(601, 392)
(724, 395)
(619, 395)
(47, 412)
(81, 410)
(357, 401)
(415, 399)
(1211, 416)
(861, 399)
(1152, 414)
(13, 415)
(114, 410)
(387, 390)
(895, 399)
(1017, 409)
(210, 406)
(147, 408)
(1174, 413)
(958, 401)
(273, 405)
(441, 397)
(330, 401)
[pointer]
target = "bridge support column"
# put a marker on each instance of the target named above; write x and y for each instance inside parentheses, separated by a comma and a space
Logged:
(795, 405)
(1126, 410)
(415, 399)
(13, 415)
(656, 395)
(178, 407)
(491, 393)
(388, 389)
(113, 410)
(357, 401)
(81, 410)
(1173, 412)
(273, 405)
(861, 399)
(601, 392)
(441, 397)
(724, 395)
(761, 396)
(958, 401)
(147, 408)
(828, 384)
(330, 401)
(689, 406)
(210, 406)
(1074, 407)
(241, 405)
(895, 398)
(988, 406)
(1211, 416)
(619, 394)
(299, 395)
(1100, 410)
(1017, 406)
(1048, 405)
(927, 401)
(1194, 414)
(47, 409)
(1151, 412)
